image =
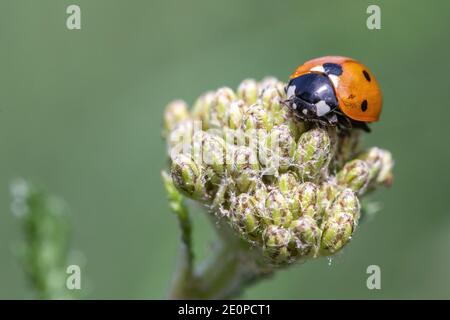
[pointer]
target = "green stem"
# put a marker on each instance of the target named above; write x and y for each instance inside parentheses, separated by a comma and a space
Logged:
(225, 275)
(184, 272)
(229, 272)
(232, 268)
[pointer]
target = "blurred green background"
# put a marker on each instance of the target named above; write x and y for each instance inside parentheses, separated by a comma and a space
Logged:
(80, 113)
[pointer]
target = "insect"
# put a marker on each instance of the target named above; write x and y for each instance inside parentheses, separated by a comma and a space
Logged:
(334, 90)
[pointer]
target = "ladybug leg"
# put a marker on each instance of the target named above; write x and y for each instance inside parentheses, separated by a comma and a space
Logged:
(346, 123)
(331, 118)
(361, 125)
(340, 119)
(320, 122)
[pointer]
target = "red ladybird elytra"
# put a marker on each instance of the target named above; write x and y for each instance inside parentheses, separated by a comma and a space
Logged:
(335, 90)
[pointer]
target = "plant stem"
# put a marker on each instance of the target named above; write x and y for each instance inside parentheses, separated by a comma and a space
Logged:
(184, 272)
(223, 276)
(229, 272)
(233, 267)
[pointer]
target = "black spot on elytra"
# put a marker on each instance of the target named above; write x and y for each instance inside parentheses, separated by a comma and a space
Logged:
(332, 68)
(364, 105)
(366, 75)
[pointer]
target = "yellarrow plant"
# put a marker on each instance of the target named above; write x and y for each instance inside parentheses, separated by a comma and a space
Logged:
(281, 190)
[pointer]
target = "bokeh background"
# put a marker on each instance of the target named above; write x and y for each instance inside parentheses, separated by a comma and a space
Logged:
(80, 113)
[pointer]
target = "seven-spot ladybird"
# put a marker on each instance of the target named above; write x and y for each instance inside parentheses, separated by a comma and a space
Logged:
(335, 90)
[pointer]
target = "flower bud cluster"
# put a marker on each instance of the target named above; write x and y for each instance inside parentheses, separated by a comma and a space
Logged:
(287, 187)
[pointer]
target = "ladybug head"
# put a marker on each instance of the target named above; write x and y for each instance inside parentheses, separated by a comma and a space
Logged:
(312, 96)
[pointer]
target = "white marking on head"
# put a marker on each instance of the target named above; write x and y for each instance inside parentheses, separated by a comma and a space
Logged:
(290, 91)
(334, 79)
(318, 69)
(322, 108)
(294, 106)
(305, 111)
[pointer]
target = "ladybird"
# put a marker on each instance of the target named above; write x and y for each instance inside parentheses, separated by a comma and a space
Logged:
(335, 90)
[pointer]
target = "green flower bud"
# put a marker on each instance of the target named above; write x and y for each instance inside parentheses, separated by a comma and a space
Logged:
(248, 91)
(270, 99)
(242, 158)
(306, 236)
(288, 183)
(272, 82)
(340, 221)
(175, 112)
(277, 209)
(345, 201)
(259, 190)
(325, 196)
(186, 176)
(307, 198)
(387, 163)
(234, 114)
(246, 180)
(181, 138)
(313, 153)
(256, 117)
(244, 167)
(244, 216)
(213, 151)
(297, 128)
(277, 149)
(181, 135)
(380, 166)
(354, 175)
(337, 231)
(200, 110)
(218, 111)
(220, 196)
(276, 244)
